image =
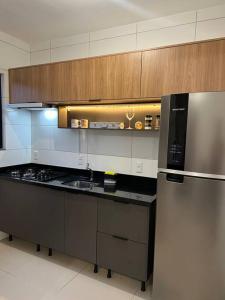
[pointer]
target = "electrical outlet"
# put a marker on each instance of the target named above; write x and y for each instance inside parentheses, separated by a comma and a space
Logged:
(139, 167)
(35, 155)
(81, 161)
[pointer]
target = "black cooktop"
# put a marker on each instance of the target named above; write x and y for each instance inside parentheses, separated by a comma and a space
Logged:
(35, 174)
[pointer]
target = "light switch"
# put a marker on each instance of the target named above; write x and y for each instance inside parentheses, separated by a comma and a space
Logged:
(139, 167)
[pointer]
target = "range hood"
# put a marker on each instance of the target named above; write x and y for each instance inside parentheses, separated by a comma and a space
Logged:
(30, 105)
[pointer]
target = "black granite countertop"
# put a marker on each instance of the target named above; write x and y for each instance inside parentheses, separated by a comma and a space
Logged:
(130, 189)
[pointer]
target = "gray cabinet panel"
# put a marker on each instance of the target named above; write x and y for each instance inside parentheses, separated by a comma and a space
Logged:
(123, 256)
(49, 225)
(126, 220)
(81, 226)
(16, 215)
(33, 213)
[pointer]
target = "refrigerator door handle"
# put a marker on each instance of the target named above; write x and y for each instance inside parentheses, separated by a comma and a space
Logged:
(177, 178)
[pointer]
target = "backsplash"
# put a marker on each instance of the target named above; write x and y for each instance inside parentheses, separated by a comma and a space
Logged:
(125, 152)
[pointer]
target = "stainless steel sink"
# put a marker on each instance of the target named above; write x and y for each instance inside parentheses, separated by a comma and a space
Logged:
(81, 184)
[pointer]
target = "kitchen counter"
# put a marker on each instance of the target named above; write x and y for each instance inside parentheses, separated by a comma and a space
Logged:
(42, 204)
(140, 193)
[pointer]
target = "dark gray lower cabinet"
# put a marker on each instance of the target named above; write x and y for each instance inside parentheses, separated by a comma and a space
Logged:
(32, 213)
(123, 256)
(126, 238)
(124, 219)
(115, 235)
(81, 226)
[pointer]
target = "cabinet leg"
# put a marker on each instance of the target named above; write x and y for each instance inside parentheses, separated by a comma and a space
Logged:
(38, 248)
(50, 252)
(10, 237)
(96, 269)
(109, 274)
(143, 289)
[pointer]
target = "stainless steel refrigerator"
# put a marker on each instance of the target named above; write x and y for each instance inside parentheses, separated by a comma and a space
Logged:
(190, 220)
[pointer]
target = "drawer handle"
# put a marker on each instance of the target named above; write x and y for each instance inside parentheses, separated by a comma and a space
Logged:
(120, 238)
(124, 201)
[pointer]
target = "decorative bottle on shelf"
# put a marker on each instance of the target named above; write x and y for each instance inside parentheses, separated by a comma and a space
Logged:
(148, 122)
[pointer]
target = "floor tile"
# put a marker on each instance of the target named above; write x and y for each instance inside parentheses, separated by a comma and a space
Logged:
(46, 274)
(13, 256)
(12, 288)
(96, 286)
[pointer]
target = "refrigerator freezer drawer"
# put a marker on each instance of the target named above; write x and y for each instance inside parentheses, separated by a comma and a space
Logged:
(190, 240)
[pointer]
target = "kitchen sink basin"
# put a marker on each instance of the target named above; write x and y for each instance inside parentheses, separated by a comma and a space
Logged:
(81, 184)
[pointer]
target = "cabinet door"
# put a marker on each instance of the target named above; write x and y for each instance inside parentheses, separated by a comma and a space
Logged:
(16, 215)
(80, 80)
(81, 226)
(182, 69)
(69, 81)
(32, 213)
(115, 76)
(48, 216)
(40, 83)
(168, 70)
(29, 84)
(20, 85)
(61, 79)
(210, 66)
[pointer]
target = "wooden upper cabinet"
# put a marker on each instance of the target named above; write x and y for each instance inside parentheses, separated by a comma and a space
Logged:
(115, 76)
(29, 84)
(69, 81)
(187, 68)
(61, 81)
(40, 87)
(20, 85)
(196, 67)
(210, 66)
(168, 70)
(80, 80)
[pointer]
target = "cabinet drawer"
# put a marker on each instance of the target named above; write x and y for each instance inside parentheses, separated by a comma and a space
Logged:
(123, 256)
(124, 219)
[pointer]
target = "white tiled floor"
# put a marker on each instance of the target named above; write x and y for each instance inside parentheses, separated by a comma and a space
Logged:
(28, 275)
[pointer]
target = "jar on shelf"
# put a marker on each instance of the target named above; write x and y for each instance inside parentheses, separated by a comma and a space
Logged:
(148, 122)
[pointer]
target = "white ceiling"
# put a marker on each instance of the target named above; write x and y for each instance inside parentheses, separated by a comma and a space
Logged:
(38, 20)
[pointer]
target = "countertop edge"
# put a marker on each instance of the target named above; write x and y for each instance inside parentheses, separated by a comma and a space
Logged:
(104, 195)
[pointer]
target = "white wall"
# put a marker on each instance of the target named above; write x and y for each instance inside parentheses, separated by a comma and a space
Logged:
(185, 27)
(16, 124)
(114, 150)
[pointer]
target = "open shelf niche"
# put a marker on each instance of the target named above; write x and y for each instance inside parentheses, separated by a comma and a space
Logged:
(109, 116)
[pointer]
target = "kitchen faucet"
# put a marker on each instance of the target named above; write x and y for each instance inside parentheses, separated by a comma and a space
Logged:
(91, 172)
